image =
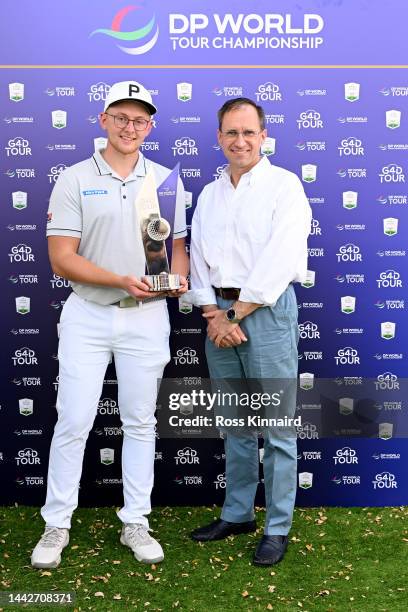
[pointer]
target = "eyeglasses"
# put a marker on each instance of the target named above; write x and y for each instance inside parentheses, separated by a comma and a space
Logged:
(247, 134)
(121, 122)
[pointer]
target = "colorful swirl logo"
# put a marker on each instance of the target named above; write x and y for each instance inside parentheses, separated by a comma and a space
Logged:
(139, 34)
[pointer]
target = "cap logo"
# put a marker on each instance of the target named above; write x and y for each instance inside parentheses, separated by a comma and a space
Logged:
(133, 89)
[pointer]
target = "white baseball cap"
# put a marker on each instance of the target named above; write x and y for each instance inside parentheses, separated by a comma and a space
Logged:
(130, 90)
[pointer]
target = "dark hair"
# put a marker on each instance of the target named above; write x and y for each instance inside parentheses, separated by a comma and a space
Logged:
(237, 103)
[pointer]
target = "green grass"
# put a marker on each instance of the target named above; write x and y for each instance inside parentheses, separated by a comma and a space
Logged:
(339, 559)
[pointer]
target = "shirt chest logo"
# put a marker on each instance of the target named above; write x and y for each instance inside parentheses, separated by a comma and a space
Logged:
(93, 192)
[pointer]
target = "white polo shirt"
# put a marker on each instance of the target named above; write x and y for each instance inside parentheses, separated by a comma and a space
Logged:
(90, 201)
(253, 237)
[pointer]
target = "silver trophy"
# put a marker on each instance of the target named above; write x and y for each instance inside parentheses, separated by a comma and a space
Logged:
(156, 230)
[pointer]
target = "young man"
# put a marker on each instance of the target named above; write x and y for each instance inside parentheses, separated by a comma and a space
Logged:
(248, 246)
(94, 241)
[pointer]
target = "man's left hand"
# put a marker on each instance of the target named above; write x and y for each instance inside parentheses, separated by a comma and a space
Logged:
(220, 331)
(181, 290)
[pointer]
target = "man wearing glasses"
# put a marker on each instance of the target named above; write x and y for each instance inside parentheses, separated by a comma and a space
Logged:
(94, 241)
(248, 245)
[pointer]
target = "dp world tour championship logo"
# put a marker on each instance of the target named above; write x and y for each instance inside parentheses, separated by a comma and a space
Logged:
(149, 31)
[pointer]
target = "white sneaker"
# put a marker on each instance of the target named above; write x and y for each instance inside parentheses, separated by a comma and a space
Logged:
(145, 548)
(48, 551)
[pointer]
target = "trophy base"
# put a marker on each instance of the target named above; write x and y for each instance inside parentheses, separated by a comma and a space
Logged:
(163, 282)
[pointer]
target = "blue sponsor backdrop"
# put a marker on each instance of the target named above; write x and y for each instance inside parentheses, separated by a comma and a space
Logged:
(204, 32)
(343, 130)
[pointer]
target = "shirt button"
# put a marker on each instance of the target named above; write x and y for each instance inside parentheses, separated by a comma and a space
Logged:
(124, 197)
(123, 184)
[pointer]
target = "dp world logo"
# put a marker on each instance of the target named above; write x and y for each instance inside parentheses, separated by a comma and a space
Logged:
(145, 36)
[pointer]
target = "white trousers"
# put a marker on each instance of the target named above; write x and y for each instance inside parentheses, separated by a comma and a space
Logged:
(90, 334)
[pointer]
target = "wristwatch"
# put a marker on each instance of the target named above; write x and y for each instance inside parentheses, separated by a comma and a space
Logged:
(231, 316)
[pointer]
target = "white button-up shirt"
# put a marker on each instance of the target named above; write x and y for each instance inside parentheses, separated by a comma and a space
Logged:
(253, 236)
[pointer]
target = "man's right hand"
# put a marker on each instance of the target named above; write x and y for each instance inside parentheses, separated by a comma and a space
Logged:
(234, 338)
(137, 288)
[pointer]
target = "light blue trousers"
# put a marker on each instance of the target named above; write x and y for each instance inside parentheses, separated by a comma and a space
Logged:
(270, 353)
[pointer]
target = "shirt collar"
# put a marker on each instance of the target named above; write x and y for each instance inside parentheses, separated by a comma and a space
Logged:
(252, 175)
(103, 168)
(141, 166)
